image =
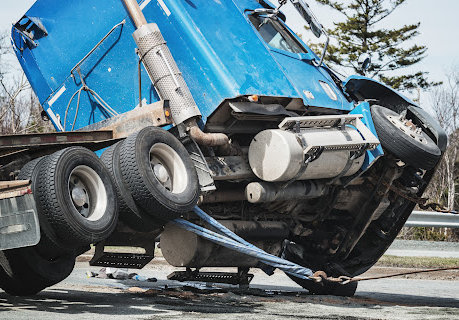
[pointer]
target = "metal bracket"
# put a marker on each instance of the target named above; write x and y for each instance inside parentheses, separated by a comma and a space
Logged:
(33, 29)
(206, 182)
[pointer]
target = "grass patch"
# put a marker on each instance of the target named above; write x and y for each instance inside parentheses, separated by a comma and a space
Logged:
(417, 262)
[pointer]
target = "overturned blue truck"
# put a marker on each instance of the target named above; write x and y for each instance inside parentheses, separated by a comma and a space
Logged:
(210, 103)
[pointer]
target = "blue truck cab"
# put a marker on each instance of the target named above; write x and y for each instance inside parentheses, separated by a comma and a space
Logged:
(219, 103)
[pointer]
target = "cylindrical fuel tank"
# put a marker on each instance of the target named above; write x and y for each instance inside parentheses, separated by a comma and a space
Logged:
(182, 248)
(259, 192)
(277, 155)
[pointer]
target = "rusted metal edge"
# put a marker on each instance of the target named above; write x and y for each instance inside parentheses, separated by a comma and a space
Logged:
(156, 114)
(35, 140)
(16, 188)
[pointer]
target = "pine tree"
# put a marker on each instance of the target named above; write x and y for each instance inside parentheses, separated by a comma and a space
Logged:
(359, 33)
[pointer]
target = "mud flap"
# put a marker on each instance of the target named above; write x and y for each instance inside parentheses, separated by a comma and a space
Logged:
(19, 226)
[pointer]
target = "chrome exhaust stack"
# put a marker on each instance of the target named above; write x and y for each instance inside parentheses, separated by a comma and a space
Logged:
(161, 66)
(164, 72)
(167, 78)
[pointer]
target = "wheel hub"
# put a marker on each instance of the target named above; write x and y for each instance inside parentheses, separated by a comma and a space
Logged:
(87, 192)
(407, 127)
(168, 168)
(79, 196)
(161, 173)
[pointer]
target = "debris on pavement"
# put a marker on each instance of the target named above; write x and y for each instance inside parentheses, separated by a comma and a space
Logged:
(118, 274)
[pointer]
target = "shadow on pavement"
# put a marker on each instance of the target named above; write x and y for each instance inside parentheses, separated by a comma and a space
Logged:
(112, 301)
(123, 303)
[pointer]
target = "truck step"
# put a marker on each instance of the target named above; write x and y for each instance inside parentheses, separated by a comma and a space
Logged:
(130, 260)
(239, 278)
(367, 139)
(121, 260)
(319, 121)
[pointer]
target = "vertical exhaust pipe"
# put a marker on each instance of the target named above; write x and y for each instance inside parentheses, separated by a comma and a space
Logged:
(167, 78)
(161, 66)
(135, 13)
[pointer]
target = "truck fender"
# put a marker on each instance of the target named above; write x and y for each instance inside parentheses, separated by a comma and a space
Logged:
(361, 88)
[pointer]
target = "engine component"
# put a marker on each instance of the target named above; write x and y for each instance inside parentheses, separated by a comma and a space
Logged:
(258, 192)
(230, 168)
(183, 248)
(167, 78)
(236, 194)
(207, 139)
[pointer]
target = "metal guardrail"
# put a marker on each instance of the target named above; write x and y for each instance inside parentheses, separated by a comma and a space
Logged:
(432, 219)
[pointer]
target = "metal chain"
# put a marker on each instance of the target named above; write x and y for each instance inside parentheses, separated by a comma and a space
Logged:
(321, 276)
(422, 202)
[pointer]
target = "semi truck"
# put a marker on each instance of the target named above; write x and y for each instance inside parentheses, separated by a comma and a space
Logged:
(163, 105)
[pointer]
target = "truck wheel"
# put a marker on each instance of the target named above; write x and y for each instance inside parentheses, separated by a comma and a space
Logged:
(404, 139)
(25, 271)
(48, 240)
(77, 196)
(159, 172)
(129, 212)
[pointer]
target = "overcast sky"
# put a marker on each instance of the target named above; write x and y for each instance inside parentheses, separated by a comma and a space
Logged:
(438, 31)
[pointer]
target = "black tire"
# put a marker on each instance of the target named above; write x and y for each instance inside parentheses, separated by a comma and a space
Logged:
(150, 194)
(78, 171)
(25, 271)
(420, 152)
(49, 244)
(129, 212)
(28, 171)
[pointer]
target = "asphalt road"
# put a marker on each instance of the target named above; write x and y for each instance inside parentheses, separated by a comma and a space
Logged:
(275, 297)
(413, 248)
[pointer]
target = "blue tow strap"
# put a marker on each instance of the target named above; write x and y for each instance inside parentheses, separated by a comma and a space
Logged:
(226, 238)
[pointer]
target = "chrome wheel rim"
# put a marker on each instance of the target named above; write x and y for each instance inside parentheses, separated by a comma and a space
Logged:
(168, 168)
(407, 127)
(87, 192)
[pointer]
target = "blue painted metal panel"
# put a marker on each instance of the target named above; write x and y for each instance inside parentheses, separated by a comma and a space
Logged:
(372, 88)
(228, 57)
(371, 156)
(215, 45)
